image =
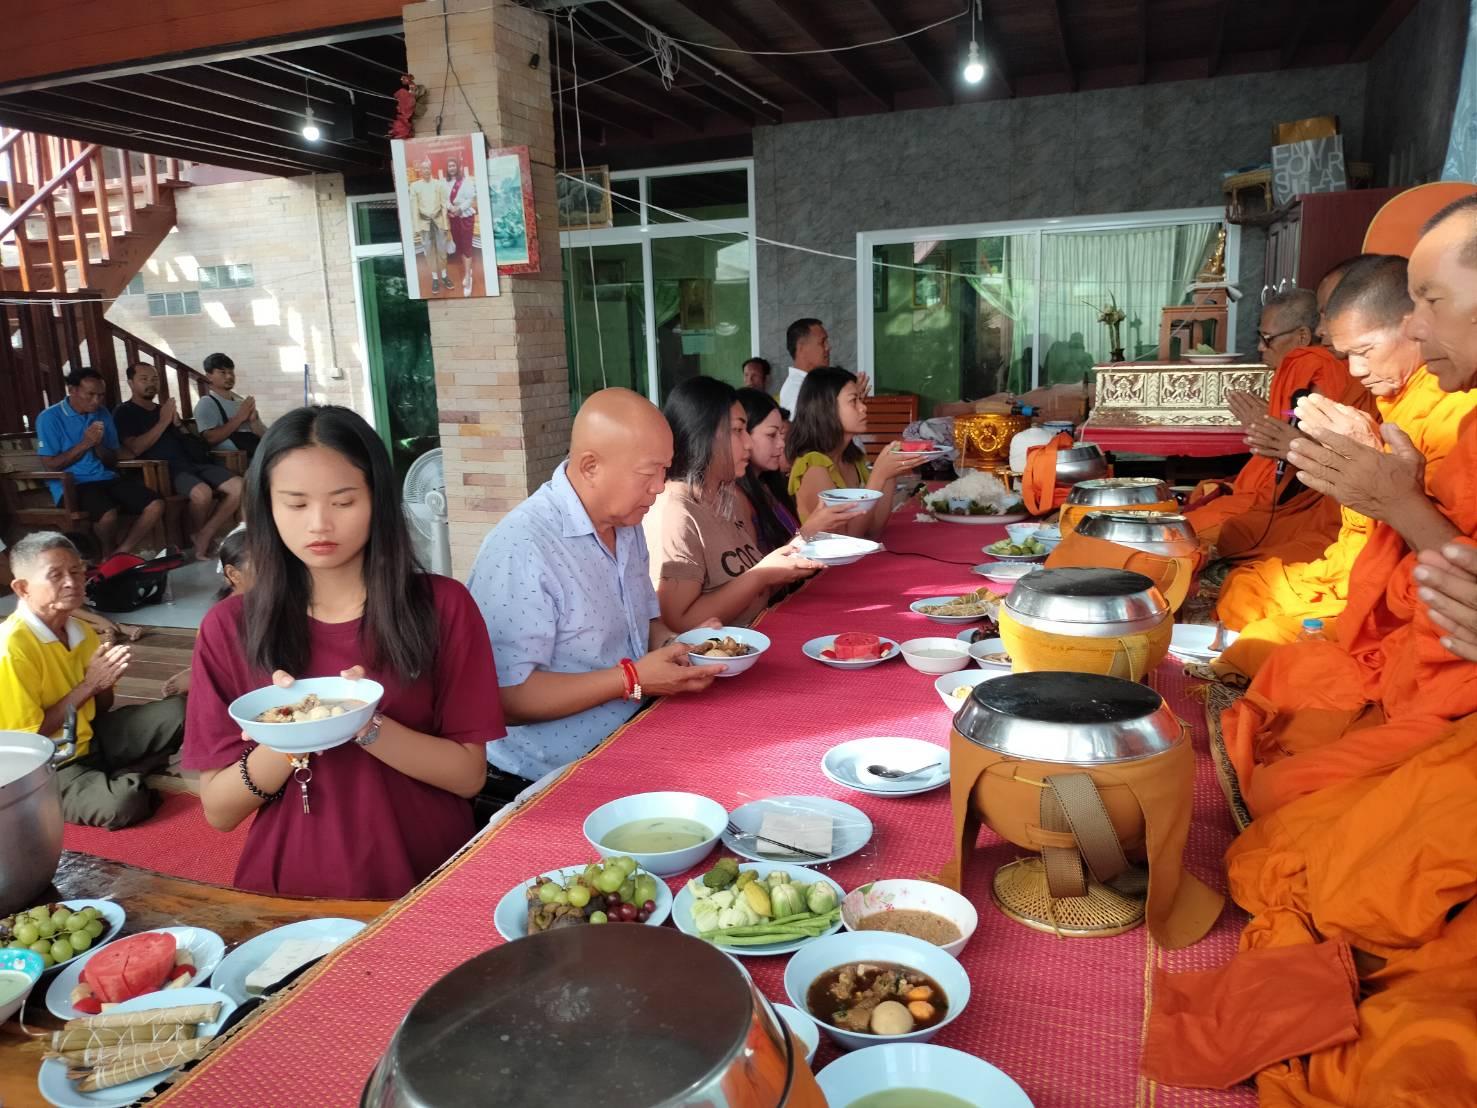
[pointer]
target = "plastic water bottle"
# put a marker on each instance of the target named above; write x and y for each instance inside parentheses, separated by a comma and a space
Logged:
(1313, 631)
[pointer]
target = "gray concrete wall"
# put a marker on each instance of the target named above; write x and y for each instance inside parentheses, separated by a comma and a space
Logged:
(1412, 92)
(1116, 150)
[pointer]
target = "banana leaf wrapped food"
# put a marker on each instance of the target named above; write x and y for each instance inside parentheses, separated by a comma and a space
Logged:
(159, 1057)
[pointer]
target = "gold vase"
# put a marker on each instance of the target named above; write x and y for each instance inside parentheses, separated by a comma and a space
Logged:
(983, 439)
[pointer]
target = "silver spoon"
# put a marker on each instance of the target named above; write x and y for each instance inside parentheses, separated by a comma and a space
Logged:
(899, 774)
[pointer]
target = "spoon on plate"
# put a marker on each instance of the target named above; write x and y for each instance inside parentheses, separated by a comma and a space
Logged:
(899, 774)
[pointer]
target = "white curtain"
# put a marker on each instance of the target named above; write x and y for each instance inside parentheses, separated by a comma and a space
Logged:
(1143, 269)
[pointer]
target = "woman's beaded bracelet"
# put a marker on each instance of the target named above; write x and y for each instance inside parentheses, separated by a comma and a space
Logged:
(265, 797)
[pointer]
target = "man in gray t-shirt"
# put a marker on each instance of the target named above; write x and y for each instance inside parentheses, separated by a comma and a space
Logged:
(224, 420)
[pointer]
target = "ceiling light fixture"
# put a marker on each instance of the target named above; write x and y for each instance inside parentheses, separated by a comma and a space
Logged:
(310, 124)
(974, 65)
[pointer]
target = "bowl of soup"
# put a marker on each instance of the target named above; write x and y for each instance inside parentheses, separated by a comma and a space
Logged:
(935, 655)
(311, 714)
(19, 972)
(863, 988)
(734, 648)
(917, 1075)
(925, 910)
(667, 833)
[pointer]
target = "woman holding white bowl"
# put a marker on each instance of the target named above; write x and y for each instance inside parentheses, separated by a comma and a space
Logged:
(337, 592)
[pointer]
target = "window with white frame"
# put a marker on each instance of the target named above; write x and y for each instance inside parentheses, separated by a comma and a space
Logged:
(226, 277)
(174, 303)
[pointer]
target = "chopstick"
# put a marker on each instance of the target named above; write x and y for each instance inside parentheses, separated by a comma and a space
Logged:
(739, 833)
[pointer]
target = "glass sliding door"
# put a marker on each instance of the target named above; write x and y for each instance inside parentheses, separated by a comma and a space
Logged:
(397, 333)
(700, 288)
(604, 319)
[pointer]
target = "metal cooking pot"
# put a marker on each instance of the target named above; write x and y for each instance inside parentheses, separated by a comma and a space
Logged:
(1082, 462)
(30, 816)
(648, 1016)
(1087, 603)
(1170, 536)
(1073, 718)
(1114, 492)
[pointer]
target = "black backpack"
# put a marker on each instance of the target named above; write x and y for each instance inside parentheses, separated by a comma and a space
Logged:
(126, 582)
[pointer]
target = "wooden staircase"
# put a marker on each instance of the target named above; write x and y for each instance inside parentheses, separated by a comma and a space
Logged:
(76, 217)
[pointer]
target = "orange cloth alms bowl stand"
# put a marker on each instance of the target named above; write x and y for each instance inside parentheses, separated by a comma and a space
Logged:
(1175, 577)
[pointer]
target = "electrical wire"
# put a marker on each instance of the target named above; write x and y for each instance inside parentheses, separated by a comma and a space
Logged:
(451, 72)
(825, 49)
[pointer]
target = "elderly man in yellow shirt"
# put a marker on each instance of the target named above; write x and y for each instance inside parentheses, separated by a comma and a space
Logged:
(51, 663)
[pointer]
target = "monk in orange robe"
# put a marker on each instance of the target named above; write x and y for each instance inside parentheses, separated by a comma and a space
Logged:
(1258, 512)
(1318, 713)
(1267, 600)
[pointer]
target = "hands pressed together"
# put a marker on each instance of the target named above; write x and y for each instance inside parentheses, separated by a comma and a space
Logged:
(1448, 587)
(1362, 477)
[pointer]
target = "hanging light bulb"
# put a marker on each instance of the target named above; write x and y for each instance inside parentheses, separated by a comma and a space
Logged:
(974, 67)
(310, 126)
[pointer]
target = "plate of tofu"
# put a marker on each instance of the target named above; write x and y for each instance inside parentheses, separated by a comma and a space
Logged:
(259, 963)
(807, 830)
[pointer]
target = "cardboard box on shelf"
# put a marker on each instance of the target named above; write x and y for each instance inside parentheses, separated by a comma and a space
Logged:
(1301, 130)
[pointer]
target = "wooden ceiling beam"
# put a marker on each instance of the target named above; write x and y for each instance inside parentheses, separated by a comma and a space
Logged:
(1381, 26)
(872, 84)
(1302, 21)
(1142, 17)
(1217, 52)
(932, 66)
(271, 80)
(336, 121)
(731, 26)
(1064, 48)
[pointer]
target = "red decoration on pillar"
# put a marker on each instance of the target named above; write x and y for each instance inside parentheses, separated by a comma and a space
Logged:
(408, 99)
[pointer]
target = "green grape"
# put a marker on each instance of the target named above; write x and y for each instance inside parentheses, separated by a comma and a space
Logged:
(40, 913)
(42, 946)
(27, 933)
(579, 896)
(16, 944)
(76, 921)
(561, 896)
(645, 888)
(61, 915)
(628, 891)
(47, 961)
(598, 917)
(91, 913)
(94, 928)
(627, 863)
(592, 871)
(548, 891)
(46, 928)
(609, 880)
(79, 940)
(61, 950)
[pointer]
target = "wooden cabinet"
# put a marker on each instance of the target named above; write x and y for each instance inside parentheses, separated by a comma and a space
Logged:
(1320, 230)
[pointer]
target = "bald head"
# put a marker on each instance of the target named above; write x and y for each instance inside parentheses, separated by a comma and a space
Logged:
(619, 451)
(1365, 322)
(1443, 286)
(1289, 321)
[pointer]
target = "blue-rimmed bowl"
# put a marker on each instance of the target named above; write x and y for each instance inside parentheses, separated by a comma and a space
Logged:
(311, 735)
(25, 963)
(756, 642)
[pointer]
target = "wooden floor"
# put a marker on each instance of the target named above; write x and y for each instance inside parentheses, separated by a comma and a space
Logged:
(159, 655)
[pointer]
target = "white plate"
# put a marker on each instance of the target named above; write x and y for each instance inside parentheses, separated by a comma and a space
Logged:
(1004, 573)
(935, 452)
(682, 909)
(919, 1066)
(1213, 359)
(932, 600)
(852, 827)
(113, 916)
(56, 1088)
(813, 649)
(1192, 641)
(206, 947)
(510, 917)
(230, 976)
(949, 517)
(839, 550)
(846, 764)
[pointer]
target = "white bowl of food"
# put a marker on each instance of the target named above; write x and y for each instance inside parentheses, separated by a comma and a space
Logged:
(803, 1026)
(923, 909)
(311, 714)
(736, 649)
(990, 654)
(1020, 532)
(917, 1075)
(954, 688)
(935, 654)
(666, 833)
(21, 969)
(838, 550)
(823, 977)
(860, 499)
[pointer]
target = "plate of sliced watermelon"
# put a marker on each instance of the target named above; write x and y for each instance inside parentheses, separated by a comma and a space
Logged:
(167, 957)
(851, 650)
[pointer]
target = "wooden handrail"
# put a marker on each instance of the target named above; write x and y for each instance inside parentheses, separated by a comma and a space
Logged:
(41, 195)
(137, 350)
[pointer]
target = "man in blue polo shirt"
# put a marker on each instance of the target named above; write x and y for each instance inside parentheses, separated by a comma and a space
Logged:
(77, 435)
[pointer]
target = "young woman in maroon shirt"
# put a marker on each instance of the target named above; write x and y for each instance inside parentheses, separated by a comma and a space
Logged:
(337, 590)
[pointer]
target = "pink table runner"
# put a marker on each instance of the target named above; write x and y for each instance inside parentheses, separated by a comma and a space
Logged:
(1063, 1017)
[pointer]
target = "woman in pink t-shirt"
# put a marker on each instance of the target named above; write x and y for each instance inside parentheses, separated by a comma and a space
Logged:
(337, 591)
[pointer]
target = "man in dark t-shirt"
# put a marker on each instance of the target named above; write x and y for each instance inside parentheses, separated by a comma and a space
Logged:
(151, 430)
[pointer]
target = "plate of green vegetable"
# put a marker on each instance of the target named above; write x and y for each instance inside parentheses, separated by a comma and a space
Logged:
(761, 908)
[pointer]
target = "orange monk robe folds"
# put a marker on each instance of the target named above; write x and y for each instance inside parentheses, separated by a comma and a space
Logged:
(1268, 600)
(1384, 863)
(1318, 713)
(1242, 523)
(1039, 490)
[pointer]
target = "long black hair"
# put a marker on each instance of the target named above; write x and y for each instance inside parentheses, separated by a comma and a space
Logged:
(815, 425)
(232, 553)
(762, 487)
(398, 631)
(697, 410)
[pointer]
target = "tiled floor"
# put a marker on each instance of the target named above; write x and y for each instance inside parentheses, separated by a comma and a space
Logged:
(192, 591)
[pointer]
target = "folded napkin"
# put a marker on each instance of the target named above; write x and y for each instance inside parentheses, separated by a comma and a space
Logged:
(1216, 1028)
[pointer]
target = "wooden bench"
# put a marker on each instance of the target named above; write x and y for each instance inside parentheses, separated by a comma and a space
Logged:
(887, 418)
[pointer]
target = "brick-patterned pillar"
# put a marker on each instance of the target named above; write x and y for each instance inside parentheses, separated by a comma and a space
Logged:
(501, 374)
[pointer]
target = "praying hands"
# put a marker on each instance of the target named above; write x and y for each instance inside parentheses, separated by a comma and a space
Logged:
(1361, 477)
(1318, 414)
(1448, 587)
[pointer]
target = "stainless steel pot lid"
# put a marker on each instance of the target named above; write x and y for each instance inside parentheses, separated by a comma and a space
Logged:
(1142, 529)
(20, 754)
(1061, 599)
(1109, 491)
(658, 1011)
(1082, 452)
(1076, 718)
